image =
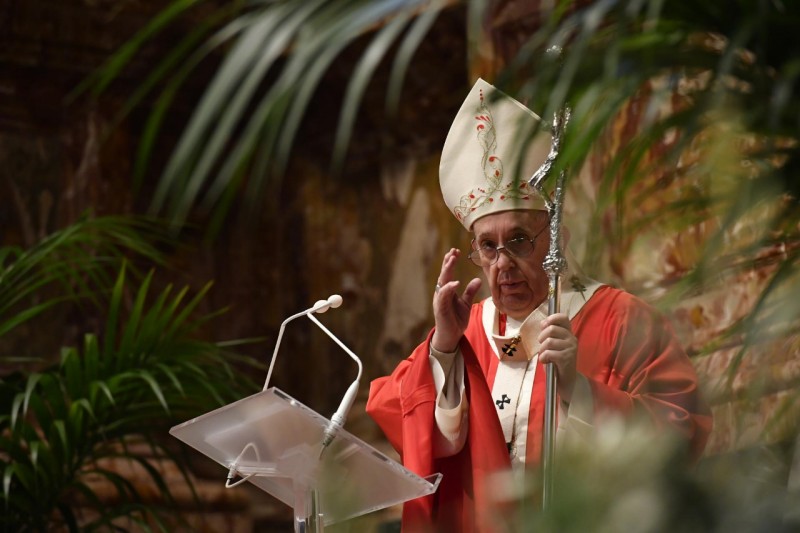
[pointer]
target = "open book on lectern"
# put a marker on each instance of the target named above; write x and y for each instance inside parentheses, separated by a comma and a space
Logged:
(290, 451)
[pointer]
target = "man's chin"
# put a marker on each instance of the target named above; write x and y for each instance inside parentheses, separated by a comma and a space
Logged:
(515, 306)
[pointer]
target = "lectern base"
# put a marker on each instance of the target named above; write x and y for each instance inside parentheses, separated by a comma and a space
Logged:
(307, 516)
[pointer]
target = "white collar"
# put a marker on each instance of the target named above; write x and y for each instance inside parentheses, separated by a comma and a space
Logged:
(574, 294)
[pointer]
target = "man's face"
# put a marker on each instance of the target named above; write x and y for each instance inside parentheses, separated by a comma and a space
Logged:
(518, 284)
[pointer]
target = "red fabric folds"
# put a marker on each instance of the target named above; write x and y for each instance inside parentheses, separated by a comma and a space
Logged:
(627, 351)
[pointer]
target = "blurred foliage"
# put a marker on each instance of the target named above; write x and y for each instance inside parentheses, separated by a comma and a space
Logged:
(631, 477)
(112, 398)
(715, 151)
(274, 55)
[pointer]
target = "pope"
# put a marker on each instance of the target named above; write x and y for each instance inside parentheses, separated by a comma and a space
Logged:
(469, 400)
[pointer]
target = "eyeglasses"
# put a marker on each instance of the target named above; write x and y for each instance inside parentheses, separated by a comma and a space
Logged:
(489, 253)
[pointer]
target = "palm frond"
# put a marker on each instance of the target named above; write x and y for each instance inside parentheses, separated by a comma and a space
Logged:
(61, 421)
(75, 264)
(238, 125)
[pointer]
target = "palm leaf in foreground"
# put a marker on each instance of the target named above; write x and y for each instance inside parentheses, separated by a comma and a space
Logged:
(64, 423)
(274, 58)
(713, 149)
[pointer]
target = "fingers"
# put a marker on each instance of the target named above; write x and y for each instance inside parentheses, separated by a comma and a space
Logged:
(557, 319)
(472, 289)
(446, 292)
(448, 266)
(555, 346)
(445, 285)
(449, 291)
(451, 307)
(556, 340)
(555, 327)
(559, 346)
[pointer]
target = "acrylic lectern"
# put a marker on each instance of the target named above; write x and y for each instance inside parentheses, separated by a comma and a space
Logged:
(275, 442)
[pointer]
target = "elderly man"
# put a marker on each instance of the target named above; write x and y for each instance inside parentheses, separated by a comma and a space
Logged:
(469, 401)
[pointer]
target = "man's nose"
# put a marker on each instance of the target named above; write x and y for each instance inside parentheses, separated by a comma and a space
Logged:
(504, 258)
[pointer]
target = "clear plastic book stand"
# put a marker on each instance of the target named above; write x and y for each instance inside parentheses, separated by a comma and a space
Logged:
(275, 442)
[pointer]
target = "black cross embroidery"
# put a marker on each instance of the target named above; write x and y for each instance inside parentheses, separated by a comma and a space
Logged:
(502, 401)
(510, 348)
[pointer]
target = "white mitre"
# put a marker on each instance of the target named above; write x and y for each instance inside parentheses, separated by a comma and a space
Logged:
(492, 149)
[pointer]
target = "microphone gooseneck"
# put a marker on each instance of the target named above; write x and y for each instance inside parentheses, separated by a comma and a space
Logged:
(340, 416)
(320, 306)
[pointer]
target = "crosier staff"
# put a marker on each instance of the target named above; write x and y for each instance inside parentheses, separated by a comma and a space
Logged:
(554, 265)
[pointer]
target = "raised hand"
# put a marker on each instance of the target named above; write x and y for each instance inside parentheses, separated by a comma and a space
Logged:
(450, 309)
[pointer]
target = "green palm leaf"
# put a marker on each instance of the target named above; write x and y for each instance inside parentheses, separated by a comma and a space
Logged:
(131, 384)
(75, 264)
(238, 126)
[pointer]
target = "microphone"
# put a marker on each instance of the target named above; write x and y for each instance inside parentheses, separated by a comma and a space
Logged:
(339, 417)
(320, 306)
(332, 302)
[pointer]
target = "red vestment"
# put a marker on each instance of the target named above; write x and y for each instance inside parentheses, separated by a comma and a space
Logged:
(625, 349)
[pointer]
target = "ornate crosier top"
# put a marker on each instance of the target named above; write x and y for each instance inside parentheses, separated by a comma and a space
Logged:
(492, 167)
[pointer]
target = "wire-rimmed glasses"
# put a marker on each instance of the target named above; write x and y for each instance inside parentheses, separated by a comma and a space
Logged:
(488, 253)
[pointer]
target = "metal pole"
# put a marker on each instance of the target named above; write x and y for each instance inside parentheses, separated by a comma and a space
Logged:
(554, 265)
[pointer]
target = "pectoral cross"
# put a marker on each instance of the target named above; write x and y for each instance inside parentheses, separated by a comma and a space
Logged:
(511, 347)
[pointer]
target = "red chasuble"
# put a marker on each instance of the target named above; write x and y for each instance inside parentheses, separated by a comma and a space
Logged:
(625, 349)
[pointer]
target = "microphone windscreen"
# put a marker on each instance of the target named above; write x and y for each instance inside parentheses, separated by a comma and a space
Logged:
(320, 306)
(335, 300)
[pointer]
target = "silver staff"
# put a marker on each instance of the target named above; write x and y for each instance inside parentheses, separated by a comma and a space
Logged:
(555, 265)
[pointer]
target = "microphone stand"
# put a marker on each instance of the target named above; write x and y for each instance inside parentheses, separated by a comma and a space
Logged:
(320, 306)
(274, 441)
(313, 521)
(339, 417)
